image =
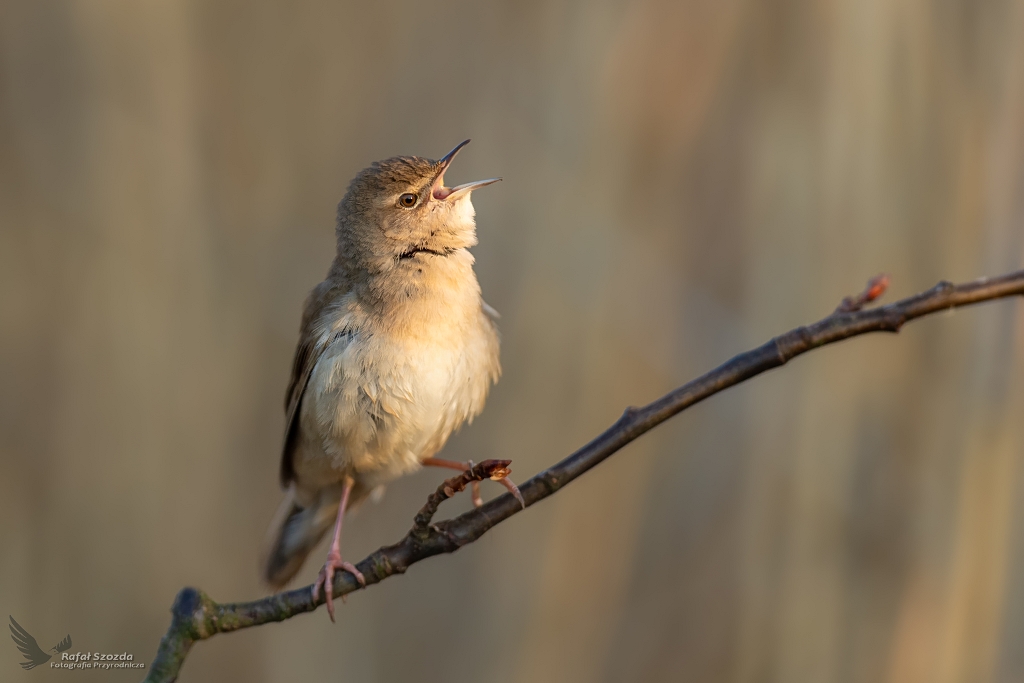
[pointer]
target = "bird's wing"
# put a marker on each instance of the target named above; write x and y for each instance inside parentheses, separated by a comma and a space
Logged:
(64, 644)
(491, 312)
(27, 645)
(318, 332)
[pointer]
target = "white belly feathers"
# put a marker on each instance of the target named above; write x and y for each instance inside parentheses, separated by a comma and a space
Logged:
(380, 405)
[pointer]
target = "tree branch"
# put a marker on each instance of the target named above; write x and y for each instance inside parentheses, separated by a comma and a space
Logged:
(196, 617)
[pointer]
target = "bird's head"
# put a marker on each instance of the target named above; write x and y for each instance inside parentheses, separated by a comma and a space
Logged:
(399, 212)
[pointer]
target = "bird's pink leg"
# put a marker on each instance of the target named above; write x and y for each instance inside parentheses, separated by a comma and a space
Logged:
(334, 561)
(463, 466)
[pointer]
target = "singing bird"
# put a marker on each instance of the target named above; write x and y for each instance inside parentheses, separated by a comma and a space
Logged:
(397, 350)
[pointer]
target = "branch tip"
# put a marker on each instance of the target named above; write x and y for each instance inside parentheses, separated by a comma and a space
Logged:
(187, 602)
(875, 288)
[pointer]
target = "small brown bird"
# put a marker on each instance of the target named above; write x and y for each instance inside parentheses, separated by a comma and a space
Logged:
(397, 350)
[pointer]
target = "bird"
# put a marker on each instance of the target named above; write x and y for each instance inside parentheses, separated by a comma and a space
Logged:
(27, 645)
(397, 350)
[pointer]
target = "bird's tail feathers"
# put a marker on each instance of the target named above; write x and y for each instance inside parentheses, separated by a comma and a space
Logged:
(294, 532)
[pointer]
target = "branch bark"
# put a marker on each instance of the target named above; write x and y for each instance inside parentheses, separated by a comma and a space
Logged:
(196, 617)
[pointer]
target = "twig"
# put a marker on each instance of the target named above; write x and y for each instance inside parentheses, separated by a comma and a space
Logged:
(875, 288)
(488, 469)
(197, 617)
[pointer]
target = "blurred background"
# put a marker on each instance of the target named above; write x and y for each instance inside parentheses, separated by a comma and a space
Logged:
(683, 180)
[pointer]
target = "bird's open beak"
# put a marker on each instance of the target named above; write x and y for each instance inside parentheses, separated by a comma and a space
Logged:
(439, 191)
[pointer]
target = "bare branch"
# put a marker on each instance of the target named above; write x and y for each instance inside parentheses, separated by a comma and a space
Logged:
(197, 617)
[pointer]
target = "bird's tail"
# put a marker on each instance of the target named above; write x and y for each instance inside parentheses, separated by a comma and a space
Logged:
(293, 533)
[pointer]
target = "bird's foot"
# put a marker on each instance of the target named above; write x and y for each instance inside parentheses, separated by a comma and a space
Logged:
(475, 486)
(513, 489)
(326, 579)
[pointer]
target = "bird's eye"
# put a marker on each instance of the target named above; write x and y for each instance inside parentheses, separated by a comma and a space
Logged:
(408, 200)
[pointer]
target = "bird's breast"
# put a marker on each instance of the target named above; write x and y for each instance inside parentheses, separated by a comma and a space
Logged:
(379, 403)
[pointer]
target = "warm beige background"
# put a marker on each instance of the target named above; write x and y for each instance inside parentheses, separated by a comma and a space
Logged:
(682, 181)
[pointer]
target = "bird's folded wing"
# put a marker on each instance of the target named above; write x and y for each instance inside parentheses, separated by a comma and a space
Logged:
(322, 326)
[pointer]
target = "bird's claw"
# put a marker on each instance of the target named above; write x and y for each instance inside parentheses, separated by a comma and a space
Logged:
(513, 489)
(499, 475)
(474, 487)
(326, 579)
